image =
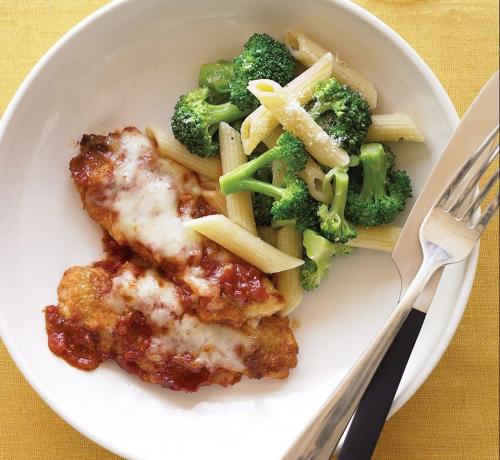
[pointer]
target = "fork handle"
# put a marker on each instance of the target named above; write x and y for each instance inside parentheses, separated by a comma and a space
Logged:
(375, 404)
(322, 435)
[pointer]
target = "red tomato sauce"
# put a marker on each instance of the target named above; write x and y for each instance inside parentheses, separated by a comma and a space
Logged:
(238, 281)
(194, 206)
(72, 341)
(79, 346)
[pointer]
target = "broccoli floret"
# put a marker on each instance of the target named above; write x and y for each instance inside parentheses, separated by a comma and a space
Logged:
(295, 206)
(319, 253)
(262, 205)
(195, 121)
(342, 113)
(216, 77)
(383, 192)
(292, 203)
(263, 57)
(333, 224)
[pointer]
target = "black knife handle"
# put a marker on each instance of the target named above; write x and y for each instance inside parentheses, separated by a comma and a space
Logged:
(375, 404)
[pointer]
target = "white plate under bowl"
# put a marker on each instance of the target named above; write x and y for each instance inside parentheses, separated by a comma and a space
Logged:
(126, 65)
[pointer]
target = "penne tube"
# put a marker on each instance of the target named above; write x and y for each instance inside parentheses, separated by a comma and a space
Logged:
(208, 184)
(239, 205)
(271, 139)
(296, 120)
(243, 244)
(170, 147)
(379, 238)
(216, 200)
(278, 170)
(260, 123)
(393, 127)
(268, 234)
(308, 52)
(288, 282)
(302, 48)
(314, 177)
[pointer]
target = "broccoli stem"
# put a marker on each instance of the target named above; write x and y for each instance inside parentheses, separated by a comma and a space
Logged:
(240, 178)
(224, 112)
(257, 186)
(374, 165)
(333, 224)
(340, 194)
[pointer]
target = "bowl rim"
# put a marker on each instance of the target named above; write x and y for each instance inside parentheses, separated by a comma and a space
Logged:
(444, 101)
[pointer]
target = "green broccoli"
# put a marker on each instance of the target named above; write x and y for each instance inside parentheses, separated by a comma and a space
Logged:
(288, 148)
(333, 224)
(342, 113)
(292, 203)
(265, 173)
(263, 57)
(383, 192)
(262, 203)
(216, 77)
(195, 121)
(319, 253)
(295, 207)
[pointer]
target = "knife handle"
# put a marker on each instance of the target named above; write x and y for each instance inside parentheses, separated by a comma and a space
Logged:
(369, 419)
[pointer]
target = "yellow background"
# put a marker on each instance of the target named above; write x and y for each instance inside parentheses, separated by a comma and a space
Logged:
(455, 413)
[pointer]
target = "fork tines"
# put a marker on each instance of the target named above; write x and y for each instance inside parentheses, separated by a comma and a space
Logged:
(461, 199)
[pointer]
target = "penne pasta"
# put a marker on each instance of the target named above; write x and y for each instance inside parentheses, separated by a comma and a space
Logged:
(271, 139)
(243, 244)
(379, 238)
(239, 205)
(302, 48)
(268, 234)
(288, 282)
(393, 127)
(216, 200)
(295, 119)
(208, 184)
(260, 123)
(314, 177)
(278, 169)
(308, 52)
(170, 147)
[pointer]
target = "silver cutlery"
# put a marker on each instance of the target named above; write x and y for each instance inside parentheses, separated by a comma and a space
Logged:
(448, 234)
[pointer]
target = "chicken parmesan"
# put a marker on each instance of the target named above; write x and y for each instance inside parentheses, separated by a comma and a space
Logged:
(142, 201)
(166, 304)
(145, 322)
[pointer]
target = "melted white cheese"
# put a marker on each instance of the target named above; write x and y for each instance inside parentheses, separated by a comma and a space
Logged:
(217, 345)
(147, 201)
(196, 280)
(154, 297)
(212, 345)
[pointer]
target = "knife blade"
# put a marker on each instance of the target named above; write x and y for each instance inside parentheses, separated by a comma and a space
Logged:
(368, 421)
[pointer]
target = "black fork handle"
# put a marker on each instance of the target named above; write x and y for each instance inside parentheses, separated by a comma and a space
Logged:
(369, 419)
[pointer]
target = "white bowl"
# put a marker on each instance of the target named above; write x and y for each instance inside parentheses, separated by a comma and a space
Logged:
(126, 65)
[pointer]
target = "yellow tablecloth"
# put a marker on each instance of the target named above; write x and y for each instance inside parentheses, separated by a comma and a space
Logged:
(455, 414)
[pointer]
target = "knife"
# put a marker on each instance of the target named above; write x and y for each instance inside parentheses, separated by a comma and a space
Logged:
(368, 421)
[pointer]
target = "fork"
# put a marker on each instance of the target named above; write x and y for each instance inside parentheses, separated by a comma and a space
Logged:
(447, 235)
